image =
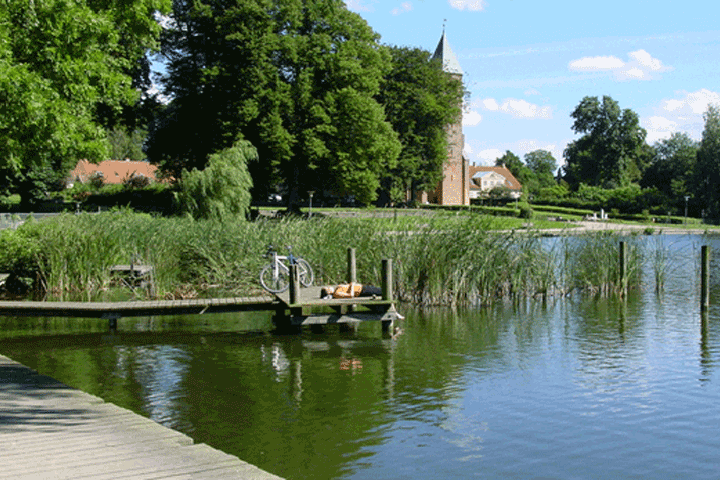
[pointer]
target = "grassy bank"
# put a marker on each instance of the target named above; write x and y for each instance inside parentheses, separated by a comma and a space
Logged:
(443, 260)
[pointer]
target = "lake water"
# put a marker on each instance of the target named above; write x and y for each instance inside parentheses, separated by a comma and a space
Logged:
(576, 387)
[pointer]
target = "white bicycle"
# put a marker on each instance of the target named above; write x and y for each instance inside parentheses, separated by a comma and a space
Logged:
(275, 277)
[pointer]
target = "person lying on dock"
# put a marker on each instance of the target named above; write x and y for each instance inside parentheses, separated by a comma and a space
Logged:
(350, 290)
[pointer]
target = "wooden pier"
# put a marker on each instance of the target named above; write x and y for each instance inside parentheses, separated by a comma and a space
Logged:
(295, 307)
(52, 431)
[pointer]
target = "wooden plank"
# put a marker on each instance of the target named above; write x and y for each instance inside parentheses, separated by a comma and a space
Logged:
(134, 309)
(50, 431)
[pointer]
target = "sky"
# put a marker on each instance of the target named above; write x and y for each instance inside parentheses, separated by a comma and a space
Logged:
(528, 63)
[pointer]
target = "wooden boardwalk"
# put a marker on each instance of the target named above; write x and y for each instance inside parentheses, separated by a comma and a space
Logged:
(344, 310)
(116, 310)
(51, 431)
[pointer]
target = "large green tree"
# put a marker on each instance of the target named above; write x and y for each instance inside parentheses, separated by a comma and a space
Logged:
(420, 100)
(543, 165)
(65, 65)
(297, 78)
(707, 171)
(672, 167)
(612, 151)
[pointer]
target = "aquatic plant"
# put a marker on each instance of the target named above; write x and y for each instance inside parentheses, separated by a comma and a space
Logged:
(446, 260)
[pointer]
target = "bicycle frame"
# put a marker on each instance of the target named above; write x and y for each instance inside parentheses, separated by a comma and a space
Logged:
(279, 271)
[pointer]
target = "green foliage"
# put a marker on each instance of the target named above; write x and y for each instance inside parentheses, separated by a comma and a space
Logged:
(526, 210)
(419, 101)
(64, 64)
(441, 259)
(222, 189)
(543, 165)
(707, 174)
(127, 145)
(612, 151)
(295, 78)
(527, 177)
(672, 168)
(18, 251)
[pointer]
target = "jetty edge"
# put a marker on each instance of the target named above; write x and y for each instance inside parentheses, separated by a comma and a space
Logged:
(50, 430)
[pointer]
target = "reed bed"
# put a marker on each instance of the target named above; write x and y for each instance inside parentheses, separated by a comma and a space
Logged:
(435, 262)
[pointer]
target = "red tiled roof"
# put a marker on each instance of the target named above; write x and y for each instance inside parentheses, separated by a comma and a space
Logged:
(113, 171)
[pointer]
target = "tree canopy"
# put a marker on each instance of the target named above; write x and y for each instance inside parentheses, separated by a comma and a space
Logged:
(296, 78)
(64, 66)
(612, 151)
(707, 173)
(420, 100)
(672, 166)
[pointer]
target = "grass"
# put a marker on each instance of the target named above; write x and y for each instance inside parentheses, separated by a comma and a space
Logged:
(448, 258)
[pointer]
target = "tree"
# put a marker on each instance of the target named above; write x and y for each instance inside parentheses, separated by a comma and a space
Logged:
(612, 152)
(222, 190)
(63, 65)
(520, 171)
(707, 172)
(420, 100)
(543, 165)
(672, 166)
(296, 78)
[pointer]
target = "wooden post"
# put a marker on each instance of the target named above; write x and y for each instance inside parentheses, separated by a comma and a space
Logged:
(387, 280)
(623, 268)
(352, 269)
(294, 284)
(705, 278)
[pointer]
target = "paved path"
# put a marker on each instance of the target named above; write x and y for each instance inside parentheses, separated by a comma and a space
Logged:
(51, 431)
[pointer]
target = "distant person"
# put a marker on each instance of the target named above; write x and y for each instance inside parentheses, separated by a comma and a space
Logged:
(350, 290)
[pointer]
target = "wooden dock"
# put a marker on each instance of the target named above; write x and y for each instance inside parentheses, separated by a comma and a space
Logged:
(115, 310)
(295, 307)
(52, 431)
(308, 309)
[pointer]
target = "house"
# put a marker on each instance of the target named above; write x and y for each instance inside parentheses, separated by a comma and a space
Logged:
(484, 179)
(112, 171)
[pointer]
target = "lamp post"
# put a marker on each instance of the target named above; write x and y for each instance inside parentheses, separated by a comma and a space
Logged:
(310, 193)
(687, 197)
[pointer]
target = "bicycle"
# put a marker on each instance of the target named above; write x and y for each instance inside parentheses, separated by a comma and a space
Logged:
(275, 277)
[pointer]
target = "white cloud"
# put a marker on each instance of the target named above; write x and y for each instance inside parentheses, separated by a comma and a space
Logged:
(681, 114)
(524, 109)
(640, 66)
(531, 91)
(644, 59)
(491, 104)
(404, 8)
(357, 6)
(594, 64)
(488, 156)
(659, 128)
(471, 118)
(472, 5)
(516, 108)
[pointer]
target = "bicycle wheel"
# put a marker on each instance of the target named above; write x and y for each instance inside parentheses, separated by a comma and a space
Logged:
(273, 283)
(305, 271)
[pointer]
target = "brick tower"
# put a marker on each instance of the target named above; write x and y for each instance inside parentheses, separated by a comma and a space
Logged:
(454, 189)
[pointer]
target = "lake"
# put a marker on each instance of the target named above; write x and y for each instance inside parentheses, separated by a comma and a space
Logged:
(574, 387)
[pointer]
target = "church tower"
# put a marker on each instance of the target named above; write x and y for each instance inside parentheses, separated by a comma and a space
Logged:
(454, 189)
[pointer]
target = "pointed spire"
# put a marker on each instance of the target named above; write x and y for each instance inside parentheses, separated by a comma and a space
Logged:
(447, 57)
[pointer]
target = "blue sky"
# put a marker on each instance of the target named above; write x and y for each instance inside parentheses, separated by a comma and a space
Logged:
(529, 63)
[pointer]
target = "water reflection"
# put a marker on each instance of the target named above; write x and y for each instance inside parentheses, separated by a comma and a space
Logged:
(530, 389)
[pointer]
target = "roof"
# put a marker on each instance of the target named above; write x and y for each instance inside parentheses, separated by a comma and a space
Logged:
(113, 171)
(450, 62)
(510, 181)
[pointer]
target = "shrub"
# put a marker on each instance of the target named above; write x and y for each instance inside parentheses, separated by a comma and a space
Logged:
(222, 189)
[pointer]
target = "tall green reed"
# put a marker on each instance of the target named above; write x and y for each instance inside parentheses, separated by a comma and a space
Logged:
(436, 262)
